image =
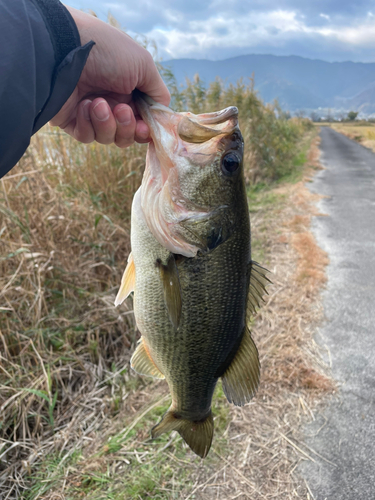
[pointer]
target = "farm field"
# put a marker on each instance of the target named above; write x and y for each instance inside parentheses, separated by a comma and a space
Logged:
(362, 132)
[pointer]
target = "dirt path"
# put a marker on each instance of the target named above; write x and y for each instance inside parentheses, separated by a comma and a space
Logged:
(345, 432)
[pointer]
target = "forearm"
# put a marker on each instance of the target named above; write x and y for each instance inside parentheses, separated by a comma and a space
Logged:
(40, 65)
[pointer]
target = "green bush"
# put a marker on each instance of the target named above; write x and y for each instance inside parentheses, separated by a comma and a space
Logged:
(270, 135)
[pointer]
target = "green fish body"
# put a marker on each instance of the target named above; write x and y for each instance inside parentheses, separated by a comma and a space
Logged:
(191, 270)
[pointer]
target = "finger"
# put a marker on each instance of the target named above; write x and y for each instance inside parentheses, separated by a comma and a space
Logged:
(151, 83)
(69, 128)
(83, 130)
(142, 132)
(125, 125)
(103, 121)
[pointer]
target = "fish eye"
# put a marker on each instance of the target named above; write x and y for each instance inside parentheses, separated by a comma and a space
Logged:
(230, 163)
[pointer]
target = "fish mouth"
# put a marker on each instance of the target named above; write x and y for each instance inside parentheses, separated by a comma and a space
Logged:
(178, 141)
(191, 128)
(146, 107)
(183, 134)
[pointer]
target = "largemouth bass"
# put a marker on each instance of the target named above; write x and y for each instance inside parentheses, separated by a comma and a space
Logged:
(190, 268)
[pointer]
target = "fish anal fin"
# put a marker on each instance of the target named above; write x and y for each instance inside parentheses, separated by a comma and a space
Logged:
(197, 434)
(171, 289)
(142, 363)
(257, 286)
(241, 379)
(127, 282)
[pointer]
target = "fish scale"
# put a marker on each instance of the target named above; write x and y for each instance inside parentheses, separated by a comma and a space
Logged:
(204, 338)
(191, 268)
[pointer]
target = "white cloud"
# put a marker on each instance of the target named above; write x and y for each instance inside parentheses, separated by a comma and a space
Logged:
(219, 31)
(225, 28)
(273, 29)
(363, 35)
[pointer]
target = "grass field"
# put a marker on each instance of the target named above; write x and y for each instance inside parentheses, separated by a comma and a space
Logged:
(74, 419)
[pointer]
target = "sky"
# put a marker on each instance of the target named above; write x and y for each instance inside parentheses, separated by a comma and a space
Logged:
(332, 30)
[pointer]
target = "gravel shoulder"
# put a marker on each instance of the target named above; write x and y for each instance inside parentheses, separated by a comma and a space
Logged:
(344, 433)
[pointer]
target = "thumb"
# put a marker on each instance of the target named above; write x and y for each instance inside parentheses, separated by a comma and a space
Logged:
(151, 83)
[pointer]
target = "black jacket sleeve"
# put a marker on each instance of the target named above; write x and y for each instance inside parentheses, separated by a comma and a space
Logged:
(41, 60)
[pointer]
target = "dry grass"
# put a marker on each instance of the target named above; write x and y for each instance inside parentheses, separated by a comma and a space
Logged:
(363, 132)
(74, 420)
(63, 244)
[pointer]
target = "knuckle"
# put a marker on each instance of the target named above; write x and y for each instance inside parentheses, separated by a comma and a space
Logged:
(122, 142)
(86, 140)
(148, 58)
(125, 132)
(104, 134)
(82, 137)
(104, 140)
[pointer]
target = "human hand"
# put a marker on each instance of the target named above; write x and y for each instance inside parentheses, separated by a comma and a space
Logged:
(101, 106)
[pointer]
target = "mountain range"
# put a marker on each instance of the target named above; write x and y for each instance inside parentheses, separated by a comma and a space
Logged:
(296, 82)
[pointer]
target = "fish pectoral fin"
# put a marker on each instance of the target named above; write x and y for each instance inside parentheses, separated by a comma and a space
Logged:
(127, 282)
(142, 363)
(198, 435)
(241, 379)
(257, 288)
(171, 289)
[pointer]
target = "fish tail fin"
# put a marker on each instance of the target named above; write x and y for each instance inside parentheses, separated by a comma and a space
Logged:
(197, 434)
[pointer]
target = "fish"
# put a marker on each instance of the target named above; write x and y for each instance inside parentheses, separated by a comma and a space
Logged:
(195, 284)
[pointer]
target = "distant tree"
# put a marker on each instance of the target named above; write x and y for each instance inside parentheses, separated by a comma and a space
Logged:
(195, 94)
(177, 97)
(283, 115)
(352, 115)
(239, 93)
(214, 95)
(314, 116)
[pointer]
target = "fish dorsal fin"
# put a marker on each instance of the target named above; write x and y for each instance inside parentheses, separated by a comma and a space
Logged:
(127, 282)
(257, 288)
(142, 363)
(198, 435)
(171, 289)
(241, 379)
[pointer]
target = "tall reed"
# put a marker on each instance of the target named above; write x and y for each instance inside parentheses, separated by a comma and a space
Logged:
(64, 241)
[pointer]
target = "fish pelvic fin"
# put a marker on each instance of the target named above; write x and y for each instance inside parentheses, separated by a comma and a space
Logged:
(142, 363)
(241, 379)
(127, 282)
(257, 287)
(197, 434)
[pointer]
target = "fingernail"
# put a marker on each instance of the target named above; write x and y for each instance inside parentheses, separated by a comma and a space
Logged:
(123, 116)
(86, 110)
(101, 111)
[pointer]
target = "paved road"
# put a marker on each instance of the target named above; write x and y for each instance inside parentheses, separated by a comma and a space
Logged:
(348, 235)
